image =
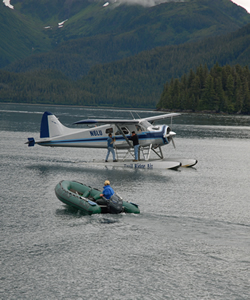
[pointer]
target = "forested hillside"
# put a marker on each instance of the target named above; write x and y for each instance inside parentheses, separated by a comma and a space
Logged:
(45, 87)
(20, 37)
(222, 89)
(132, 82)
(74, 72)
(140, 79)
(94, 34)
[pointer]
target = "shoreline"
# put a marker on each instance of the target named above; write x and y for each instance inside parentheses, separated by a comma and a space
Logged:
(156, 110)
(83, 106)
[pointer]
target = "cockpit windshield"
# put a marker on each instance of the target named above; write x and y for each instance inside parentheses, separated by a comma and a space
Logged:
(144, 125)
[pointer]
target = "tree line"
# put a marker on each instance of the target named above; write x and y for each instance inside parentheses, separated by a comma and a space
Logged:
(53, 87)
(220, 89)
(136, 81)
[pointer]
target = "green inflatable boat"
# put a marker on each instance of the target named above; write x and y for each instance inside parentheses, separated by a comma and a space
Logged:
(88, 199)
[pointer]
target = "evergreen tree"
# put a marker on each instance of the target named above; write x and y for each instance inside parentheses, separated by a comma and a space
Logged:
(208, 96)
(222, 89)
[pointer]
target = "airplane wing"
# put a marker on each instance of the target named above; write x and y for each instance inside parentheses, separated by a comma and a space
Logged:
(126, 121)
(107, 121)
(160, 117)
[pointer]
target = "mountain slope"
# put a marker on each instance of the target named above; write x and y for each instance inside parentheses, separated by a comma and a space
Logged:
(94, 34)
(140, 79)
(19, 36)
(132, 82)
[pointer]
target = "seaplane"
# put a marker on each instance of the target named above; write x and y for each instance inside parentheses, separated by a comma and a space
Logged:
(151, 137)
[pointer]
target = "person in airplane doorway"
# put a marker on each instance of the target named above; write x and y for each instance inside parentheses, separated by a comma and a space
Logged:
(110, 144)
(134, 139)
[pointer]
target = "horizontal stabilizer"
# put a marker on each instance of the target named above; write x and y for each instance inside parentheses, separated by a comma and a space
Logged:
(31, 142)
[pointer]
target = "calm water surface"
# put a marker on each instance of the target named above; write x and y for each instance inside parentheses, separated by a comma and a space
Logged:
(191, 240)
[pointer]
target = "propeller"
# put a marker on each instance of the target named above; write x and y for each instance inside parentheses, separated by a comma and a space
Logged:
(170, 136)
(173, 142)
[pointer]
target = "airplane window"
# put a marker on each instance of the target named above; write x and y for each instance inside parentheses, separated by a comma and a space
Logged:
(139, 128)
(109, 130)
(124, 129)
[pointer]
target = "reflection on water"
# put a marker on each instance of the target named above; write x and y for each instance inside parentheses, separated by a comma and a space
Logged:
(191, 240)
(211, 131)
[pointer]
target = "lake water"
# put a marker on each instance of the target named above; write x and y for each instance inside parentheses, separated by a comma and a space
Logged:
(191, 240)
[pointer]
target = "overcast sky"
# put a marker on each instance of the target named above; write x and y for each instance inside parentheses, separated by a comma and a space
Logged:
(243, 3)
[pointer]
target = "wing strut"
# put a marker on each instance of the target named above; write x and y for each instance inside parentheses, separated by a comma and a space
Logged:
(159, 153)
(127, 140)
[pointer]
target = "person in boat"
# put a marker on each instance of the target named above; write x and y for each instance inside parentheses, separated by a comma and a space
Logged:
(110, 144)
(135, 140)
(107, 190)
(114, 202)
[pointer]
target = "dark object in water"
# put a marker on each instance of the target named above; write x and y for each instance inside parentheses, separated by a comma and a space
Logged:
(89, 201)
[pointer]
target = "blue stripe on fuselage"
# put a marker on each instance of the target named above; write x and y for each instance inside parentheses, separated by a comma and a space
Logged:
(146, 135)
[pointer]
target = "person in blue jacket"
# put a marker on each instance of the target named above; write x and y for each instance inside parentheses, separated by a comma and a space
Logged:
(113, 201)
(107, 190)
(110, 146)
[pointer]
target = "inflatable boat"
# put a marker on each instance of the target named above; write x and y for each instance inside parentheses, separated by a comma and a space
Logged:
(88, 199)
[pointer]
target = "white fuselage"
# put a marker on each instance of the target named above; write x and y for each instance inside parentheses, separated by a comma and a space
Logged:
(96, 137)
(151, 137)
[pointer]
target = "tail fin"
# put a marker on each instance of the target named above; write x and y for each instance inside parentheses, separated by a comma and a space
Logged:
(51, 126)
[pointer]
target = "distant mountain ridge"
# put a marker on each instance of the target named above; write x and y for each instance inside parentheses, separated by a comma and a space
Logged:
(94, 34)
(140, 79)
(113, 57)
(136, 81)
